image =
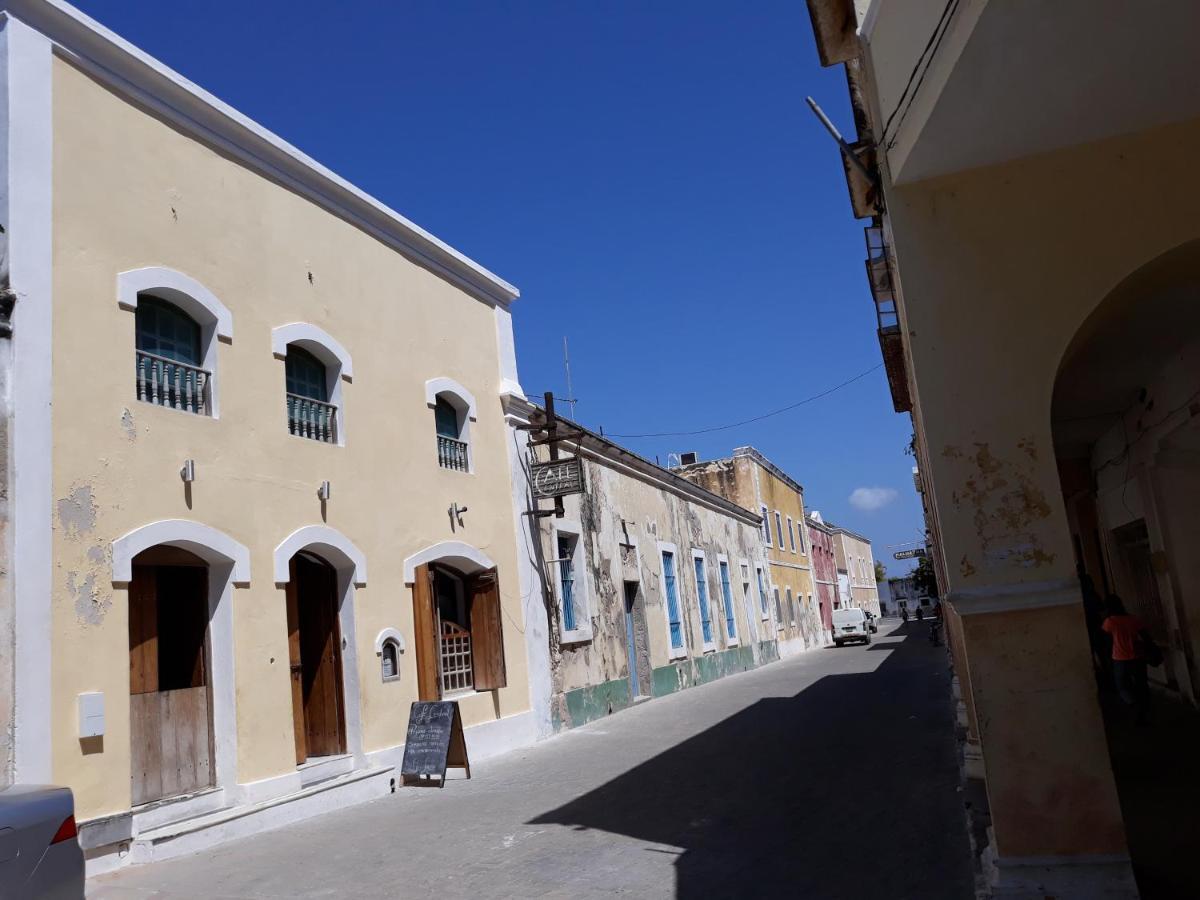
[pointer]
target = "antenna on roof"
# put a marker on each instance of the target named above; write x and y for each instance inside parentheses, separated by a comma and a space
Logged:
(567, 365)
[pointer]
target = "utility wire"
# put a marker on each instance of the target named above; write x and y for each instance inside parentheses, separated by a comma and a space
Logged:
(776, 412)
(934, 42)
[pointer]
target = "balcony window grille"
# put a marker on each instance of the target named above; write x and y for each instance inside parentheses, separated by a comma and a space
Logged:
(310, 414)
(879, 276)
(456, 668)
(452, 449)
(167, 358)
(566, 571)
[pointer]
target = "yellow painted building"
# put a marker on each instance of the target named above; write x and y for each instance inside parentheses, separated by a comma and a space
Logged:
(751, 480)
(265, 480)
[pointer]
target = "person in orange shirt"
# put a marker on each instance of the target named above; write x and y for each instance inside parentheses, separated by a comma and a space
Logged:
(1129, 657)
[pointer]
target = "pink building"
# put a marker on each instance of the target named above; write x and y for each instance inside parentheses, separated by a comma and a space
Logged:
(824, 566)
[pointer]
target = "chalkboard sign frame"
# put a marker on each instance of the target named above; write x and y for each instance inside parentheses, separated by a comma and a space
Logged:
(434, 743)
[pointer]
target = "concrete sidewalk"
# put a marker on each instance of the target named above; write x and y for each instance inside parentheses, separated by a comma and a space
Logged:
(829, 775)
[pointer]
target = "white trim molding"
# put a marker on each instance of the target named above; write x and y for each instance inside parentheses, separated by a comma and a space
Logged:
(184, 291)
(328, 542)
(317, 341)
(1013, 597)
(388, 634)
(213, 317)
(467, 558)
(443, 385)
(27, 197)
(206, 542)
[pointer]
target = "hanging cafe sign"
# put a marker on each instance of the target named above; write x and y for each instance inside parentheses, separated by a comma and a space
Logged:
(557, 478)
(909, 554)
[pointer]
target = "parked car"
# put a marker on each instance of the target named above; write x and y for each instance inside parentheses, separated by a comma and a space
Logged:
(850, 625)
(872, 622)
(40, 856)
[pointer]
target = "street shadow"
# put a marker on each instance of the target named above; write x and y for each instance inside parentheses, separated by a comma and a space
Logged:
(849, 789)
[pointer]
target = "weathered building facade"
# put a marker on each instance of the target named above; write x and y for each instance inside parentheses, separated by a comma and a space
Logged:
(1055, 413)
(253, 407)
(751, 480)
(651, 583)
(824, 567)
(856, 569)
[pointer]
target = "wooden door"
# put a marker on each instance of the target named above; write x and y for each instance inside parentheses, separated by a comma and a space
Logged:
(169, 704)
(297, 674)
(426, 632)
(320, 657)
(487, 631)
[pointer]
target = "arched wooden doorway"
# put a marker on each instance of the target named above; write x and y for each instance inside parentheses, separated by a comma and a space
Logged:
(170, 702)
(315, 657)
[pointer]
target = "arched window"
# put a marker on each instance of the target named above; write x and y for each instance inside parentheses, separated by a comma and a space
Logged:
(168, 357)
(390, 659)
(453, 412)
(310, 414)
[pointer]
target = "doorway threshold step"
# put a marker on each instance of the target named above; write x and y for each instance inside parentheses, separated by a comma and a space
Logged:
(221, 826)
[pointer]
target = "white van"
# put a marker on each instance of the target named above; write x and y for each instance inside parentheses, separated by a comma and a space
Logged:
(850, 625)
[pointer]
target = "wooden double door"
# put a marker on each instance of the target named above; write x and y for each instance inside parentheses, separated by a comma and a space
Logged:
(459, 631)
(315, 657)
(171, 746)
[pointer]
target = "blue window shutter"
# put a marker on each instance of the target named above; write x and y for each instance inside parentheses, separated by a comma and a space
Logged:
(727, 596)
(702, 597)
(668, 560)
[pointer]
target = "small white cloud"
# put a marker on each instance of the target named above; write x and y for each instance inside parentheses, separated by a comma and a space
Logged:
(869, 499)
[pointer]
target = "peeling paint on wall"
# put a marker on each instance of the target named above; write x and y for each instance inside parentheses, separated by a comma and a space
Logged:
(128, 426)
(90, 604)
(1004, 502)
(77, 512)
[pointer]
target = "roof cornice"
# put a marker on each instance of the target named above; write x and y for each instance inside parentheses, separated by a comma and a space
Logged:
(770, 467)
(137, 75)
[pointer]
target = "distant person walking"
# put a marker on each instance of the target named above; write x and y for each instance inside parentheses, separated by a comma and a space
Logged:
(1129, 644)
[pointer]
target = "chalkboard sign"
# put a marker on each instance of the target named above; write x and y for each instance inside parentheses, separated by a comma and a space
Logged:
(434, 742)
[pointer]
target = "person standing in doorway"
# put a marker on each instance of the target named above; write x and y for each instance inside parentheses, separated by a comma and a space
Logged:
(1128, 657)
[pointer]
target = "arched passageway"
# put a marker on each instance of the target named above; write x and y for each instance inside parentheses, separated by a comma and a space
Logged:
(1126, 425)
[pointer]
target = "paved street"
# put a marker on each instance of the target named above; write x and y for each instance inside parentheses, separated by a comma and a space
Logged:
(830, 775)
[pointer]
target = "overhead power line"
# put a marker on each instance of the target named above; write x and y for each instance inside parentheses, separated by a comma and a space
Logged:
(775, 412)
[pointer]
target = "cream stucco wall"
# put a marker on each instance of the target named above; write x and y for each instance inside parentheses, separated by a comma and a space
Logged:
(132, 191)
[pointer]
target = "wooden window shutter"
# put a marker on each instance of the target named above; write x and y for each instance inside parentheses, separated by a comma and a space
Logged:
(425, 630)
(487, 632)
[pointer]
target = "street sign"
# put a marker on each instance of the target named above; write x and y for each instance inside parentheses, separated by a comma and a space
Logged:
(909, 554)
(557, 478)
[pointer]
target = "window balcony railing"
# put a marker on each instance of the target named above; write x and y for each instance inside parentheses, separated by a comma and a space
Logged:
(879, 276)
(452, 453)
(456, 659)
(177, 385)
(312, 419)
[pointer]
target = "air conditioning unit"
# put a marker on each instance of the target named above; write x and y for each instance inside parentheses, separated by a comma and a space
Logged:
(687, 459)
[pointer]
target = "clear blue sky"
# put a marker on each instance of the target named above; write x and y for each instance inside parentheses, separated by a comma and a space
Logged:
(646, 173)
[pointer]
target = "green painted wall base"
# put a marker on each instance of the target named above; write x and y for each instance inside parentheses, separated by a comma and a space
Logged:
(586, 704)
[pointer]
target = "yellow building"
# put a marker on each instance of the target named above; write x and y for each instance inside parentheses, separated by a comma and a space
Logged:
(254, 407)
(1032, 252)
(856, 569)
(751, 480)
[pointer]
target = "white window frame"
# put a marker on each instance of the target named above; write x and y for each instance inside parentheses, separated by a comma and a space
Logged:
(464, 403)
(194, 299)
(708, 646)
(338, 364)
(682, 651)
(791, 535)
(762, 585)
(385, 637)
(730, 640)
(766, 517)
(582, 631)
